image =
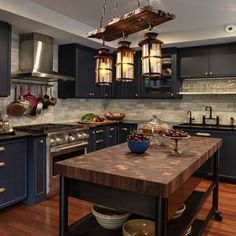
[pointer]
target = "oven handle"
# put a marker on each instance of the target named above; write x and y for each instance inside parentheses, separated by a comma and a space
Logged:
(58, 149)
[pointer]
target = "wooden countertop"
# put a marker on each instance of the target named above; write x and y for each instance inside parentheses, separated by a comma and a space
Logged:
(157, 172)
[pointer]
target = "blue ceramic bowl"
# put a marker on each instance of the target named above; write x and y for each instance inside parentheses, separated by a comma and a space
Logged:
(138, 146)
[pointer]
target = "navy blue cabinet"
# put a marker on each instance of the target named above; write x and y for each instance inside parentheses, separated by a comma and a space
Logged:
(123, 130)
(79, 61)
(36, 165)
(208, 61)
(227, 164)
(13, 172)
(5, 59)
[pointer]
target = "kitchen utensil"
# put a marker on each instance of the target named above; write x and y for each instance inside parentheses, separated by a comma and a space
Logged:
(52, 100)
(39, 107)
(31, 98)
(25, 102)
(16, 108)
(45, 99)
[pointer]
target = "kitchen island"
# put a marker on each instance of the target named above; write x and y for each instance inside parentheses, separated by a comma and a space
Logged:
(152, 185)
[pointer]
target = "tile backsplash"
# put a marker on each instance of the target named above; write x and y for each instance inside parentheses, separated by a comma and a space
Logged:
(136, 109)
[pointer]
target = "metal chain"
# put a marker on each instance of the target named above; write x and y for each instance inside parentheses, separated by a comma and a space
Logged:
(115, 9)
(138, 2)
(148, 2)
(103, 12)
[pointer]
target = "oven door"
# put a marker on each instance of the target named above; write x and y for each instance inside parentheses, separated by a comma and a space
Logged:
(60, 153)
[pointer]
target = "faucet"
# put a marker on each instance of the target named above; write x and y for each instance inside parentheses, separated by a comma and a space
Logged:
(231, 121)
(210, 109)
(189, 114)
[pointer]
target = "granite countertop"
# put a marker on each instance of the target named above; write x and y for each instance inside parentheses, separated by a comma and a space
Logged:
(18, 134)
(157, 172)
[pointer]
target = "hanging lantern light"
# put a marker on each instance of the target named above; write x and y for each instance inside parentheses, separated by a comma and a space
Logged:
(124, 62)
(103, 67)
(151, 56)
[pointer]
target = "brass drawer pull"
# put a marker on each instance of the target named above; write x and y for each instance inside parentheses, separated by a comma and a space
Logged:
(2, 164)
(110, 136)
(112, 129)
(203, 134)
(2, 149)
(124, 129)
(41, 141)
(99, 131)
(2, 190)
(99, 141)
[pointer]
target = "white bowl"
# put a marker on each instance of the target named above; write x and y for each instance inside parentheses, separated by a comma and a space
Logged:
(138, 227)
(179, 212)
(109, 218)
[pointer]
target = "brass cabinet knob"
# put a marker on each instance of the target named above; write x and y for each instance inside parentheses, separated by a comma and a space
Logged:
(99, 131)
(99, 141)
(136, 95)
(2, 149)
(41, 141)
(211, 73)
(112, 129)
(2, 164)
(110, 136)
(124, 129)
(2, 190)
(206, 73)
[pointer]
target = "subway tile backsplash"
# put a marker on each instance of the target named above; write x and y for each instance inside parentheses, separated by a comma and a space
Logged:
(136, 109)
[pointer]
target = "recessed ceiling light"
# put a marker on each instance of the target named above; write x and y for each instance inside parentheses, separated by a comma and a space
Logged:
(230, 28)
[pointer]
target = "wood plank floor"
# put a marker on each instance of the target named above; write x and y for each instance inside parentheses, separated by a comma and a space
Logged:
(42, 219)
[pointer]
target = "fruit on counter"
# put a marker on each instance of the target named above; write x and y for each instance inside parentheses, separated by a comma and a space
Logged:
(98, 119)
(176, 133)
(137, 137)
(114, 115)
(88, 117)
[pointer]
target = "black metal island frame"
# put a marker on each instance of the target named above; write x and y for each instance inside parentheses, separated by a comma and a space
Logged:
(151, 185)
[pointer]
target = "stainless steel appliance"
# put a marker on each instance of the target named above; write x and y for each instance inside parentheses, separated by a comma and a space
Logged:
(63, 141)
(36, 58)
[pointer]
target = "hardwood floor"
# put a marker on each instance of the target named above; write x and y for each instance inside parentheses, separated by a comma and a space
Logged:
(42, 219)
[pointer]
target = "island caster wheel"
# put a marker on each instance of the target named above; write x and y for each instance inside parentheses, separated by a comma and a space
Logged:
(218, 216)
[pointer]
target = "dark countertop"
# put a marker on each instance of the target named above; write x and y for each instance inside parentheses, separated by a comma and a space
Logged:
(157, 172)
(18, 134)
(207, 127)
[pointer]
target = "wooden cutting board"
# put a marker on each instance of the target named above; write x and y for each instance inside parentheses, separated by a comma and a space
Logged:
(93, 123)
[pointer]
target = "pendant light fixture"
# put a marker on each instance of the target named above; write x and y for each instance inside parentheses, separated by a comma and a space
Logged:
(124, 62)
(132, 22)
(103, 67)
(151, 56)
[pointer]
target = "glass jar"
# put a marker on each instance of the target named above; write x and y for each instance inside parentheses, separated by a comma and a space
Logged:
(154, 128)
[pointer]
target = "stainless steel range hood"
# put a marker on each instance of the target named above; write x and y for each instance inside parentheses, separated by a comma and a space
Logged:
(36, 58)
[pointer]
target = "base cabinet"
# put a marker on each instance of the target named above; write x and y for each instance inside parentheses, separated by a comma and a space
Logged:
(36, 153)
(13, 172)
(227, 162)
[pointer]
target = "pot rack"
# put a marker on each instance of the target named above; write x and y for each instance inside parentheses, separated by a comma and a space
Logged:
(31, 84)
(132, 22)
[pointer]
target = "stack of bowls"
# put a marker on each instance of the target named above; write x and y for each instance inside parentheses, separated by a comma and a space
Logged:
(109, 218)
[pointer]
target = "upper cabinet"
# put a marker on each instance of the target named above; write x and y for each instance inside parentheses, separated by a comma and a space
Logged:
(5, 59)
(208, 61)
(79, 61)
(167, 86)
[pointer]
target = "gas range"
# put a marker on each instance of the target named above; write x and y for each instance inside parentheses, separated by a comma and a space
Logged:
(58, 134)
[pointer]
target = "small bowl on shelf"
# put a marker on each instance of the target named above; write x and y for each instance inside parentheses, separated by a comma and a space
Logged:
(115, 116)
(109, 218)
(138, 227)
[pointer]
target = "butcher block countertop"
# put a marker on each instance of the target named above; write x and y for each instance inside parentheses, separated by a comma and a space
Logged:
(157, 172)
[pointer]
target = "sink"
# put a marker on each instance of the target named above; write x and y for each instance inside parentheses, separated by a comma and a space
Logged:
(209, 125)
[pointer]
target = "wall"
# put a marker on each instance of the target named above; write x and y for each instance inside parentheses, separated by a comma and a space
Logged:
(137, 109)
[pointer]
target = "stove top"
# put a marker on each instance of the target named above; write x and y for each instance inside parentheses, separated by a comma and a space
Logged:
(49, 127)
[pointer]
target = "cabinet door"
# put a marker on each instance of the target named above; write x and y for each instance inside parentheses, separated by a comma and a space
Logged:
(111, 135)
(166, 86)
(5, 59)
(222, 60)
(97, 138)
(86, 86)
(123, 131)
(194, 62)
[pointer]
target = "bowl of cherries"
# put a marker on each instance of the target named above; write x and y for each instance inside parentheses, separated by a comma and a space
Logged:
(138, 143)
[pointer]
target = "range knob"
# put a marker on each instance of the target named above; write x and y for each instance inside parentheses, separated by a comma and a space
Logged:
(58, 140)
(85, 135)
(52, 141)
(80, 136)
(71, 138)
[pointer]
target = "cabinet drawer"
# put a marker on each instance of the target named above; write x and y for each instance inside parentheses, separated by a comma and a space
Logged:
(100, 143)
(12, 190)
(12, 164)
(11, 147)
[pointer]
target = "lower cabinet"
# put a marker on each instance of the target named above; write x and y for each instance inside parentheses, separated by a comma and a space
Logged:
(227, 165)
(13, 172)
(106, 136)
(36, 165)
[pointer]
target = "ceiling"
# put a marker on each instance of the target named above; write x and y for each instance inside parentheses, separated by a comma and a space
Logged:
(197, 22)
